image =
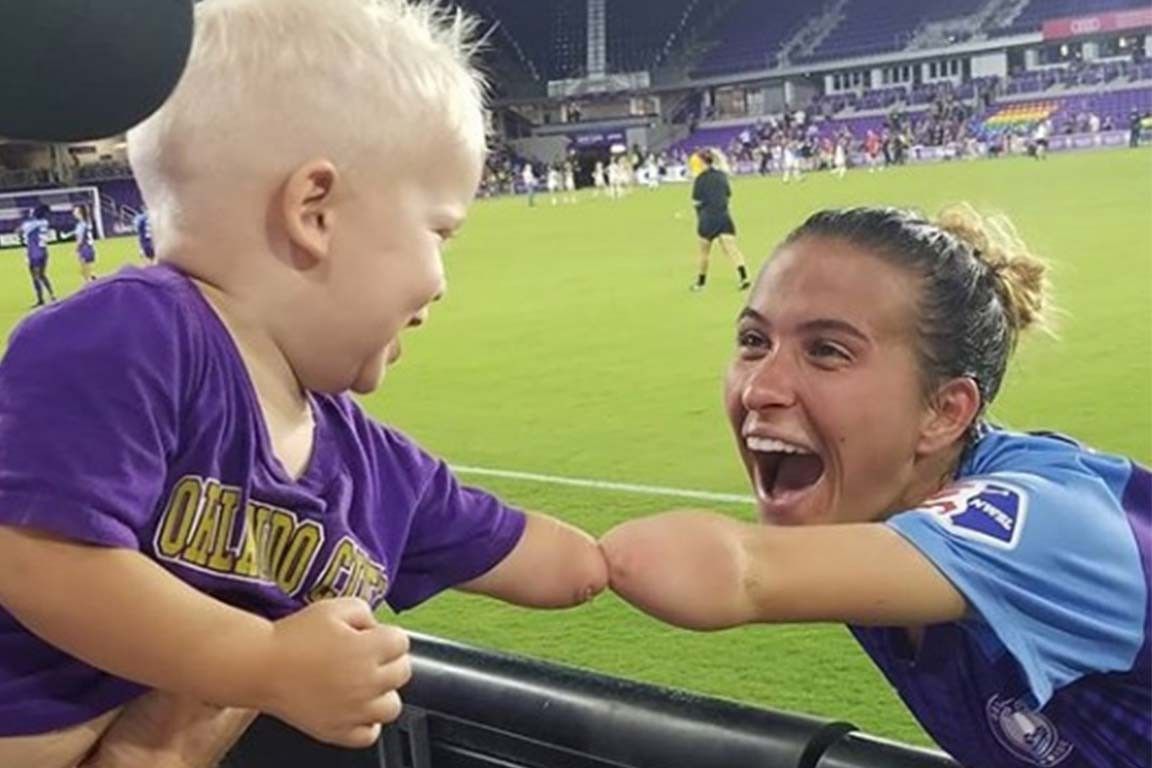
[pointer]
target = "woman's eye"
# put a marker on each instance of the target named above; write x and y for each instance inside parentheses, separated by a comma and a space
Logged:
(751, 340)
(829, 351)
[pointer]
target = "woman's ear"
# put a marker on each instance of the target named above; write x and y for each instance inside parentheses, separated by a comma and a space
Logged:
(954, 407)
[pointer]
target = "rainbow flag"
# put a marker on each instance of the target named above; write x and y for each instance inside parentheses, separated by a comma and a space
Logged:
(1021, 115)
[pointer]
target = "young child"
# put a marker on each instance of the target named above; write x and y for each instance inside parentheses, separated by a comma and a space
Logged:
(190, 500)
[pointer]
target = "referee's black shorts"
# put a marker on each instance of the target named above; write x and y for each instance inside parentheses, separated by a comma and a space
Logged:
(711, 227)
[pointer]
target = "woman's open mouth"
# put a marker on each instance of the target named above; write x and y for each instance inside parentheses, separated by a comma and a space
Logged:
(784, 473)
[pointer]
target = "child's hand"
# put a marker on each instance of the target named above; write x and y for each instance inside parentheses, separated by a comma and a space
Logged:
(333, 672)
(163, 730)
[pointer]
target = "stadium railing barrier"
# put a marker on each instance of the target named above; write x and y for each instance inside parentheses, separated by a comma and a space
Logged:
(470, 708)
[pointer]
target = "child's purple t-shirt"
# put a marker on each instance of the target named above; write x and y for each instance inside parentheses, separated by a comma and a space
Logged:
(127, 419)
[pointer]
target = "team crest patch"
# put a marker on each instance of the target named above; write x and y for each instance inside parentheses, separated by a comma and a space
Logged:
(1028, 735)
(988, 511)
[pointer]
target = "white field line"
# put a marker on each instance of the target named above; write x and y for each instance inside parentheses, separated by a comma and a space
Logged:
(605, 485)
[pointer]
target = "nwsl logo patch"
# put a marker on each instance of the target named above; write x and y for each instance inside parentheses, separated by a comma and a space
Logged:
(988, 511)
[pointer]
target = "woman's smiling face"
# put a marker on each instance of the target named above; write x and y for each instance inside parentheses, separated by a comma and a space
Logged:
(825, 394)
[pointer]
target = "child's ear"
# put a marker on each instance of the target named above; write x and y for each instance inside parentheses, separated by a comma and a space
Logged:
(306, 204)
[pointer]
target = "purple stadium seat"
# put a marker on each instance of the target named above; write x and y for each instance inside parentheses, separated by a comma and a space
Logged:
(1038, 11)
(751, 36)
(878, 26)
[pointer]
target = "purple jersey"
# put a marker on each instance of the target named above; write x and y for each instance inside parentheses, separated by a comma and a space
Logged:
(127, 419)
(1051, 545)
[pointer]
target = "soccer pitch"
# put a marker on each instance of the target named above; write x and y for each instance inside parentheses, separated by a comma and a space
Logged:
(569, 346)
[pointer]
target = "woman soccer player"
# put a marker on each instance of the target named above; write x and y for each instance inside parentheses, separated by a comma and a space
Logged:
(998, 579)
(34, 233)
(143, 228)
(85, 243)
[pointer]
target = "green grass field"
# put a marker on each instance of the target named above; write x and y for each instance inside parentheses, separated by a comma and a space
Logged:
(569, 345)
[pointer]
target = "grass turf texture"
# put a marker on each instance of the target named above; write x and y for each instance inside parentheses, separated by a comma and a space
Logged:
(569, 345)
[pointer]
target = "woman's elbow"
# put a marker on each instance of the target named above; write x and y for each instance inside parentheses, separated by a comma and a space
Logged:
(677, 573)
(633, 571)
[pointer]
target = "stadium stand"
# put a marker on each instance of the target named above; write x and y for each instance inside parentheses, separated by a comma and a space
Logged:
(754, 32)
(638, 31)
(878, 26)
(547, 37)
(752, 35)
(1033, 16)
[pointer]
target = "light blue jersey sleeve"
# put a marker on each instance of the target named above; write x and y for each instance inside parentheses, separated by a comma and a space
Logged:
(1048, 564)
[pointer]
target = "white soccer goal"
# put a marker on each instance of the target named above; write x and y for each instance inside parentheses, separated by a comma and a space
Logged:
(14, 207)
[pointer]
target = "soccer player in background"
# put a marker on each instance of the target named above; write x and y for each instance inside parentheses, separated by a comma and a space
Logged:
(651, 172)
(85, 242)
(624, 176)
(1135, 126)
(710, 195)
(34, 233)
(142, 225)
(599, 178)
(569, 182)
(840, 158)
(529, 177)
(1040, 139)
(197, 520)
(999, 580)
(555, 183)
(872, 151)
(615, 180)
(696, 163)
(791, 161)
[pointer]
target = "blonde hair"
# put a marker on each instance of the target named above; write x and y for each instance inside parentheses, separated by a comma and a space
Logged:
(1020, 274)
(271, 84)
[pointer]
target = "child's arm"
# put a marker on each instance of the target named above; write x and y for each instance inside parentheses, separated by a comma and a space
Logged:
(706, 571)
(329, 669)
(554, 565)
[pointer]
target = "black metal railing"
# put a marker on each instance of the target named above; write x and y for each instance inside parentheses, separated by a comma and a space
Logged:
(468, 708)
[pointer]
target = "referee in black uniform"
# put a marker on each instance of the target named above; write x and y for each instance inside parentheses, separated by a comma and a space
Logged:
(710, 194)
